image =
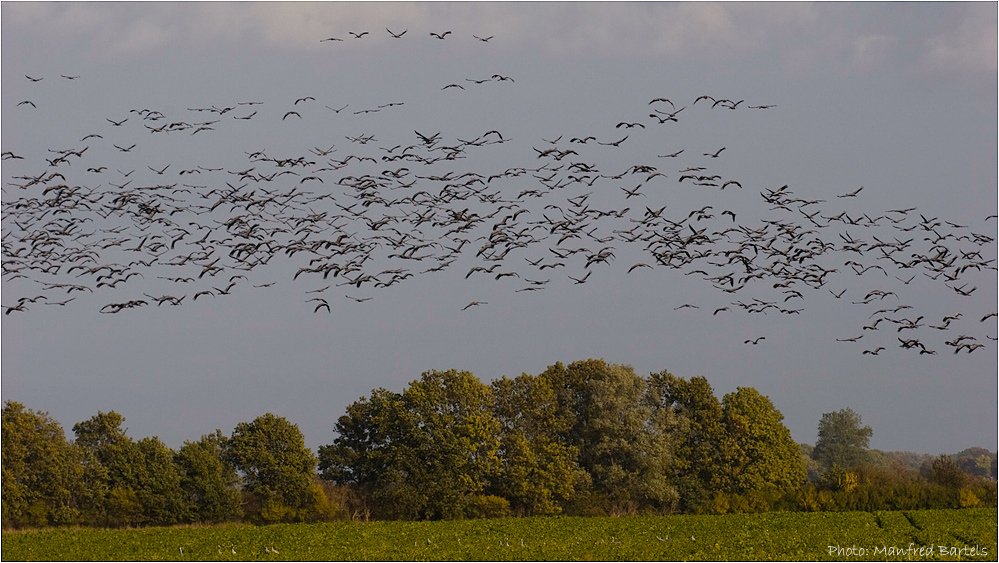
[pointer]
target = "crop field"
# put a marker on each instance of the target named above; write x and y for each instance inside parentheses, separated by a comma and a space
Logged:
(951, 535)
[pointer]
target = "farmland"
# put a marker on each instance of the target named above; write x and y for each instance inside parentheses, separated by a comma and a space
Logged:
(911, 535)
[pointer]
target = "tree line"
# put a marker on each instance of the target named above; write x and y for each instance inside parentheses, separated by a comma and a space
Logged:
(588, 438)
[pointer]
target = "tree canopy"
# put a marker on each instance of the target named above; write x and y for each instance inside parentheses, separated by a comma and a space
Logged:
(587, 438)
(842, 440)
(276, 466)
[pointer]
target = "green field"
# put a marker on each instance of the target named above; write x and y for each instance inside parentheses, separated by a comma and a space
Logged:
(962, 535)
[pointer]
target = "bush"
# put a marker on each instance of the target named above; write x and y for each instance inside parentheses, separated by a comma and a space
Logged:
(488, 506)
(966, 498)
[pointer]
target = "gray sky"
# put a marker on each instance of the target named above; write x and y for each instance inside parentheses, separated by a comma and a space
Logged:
(899, 99)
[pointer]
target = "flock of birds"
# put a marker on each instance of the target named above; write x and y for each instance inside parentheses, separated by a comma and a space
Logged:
(103, 221)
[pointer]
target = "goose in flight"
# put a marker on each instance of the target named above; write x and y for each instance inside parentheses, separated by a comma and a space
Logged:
(440, 35)
(396, 35)
(358, 35)
(483, 39)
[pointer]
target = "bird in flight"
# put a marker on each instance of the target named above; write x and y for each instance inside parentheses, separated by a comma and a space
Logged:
(483, 39)
(440, 35)
(330, 39)
(615, 143)
(358, 35)
(33, 79)
(851, 339)
(473, 304)
(322, 303)
(755, 342)
(396, 35)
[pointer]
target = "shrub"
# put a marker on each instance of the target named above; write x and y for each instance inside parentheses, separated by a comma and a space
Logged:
(966, 498)
(488, 506)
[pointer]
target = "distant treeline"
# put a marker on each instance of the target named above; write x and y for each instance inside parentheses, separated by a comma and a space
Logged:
(589, 438)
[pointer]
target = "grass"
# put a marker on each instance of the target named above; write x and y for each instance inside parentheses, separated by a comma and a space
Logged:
(964, 534)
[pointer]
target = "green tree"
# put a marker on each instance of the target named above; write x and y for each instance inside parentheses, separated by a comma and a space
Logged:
(456, 439)
(975, 461)
(270, 452)
(763, 457)
(842, 440)
(423, 454)
(538, 471)
(209, 483)
(42, 471)
(689, 412)
(157, 484)
(625, 456)
(141, 480)
(813, 471)
(943, 470)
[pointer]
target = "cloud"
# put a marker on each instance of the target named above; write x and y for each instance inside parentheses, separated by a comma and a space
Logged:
(872, 51)
(971, 46)
(945, 38)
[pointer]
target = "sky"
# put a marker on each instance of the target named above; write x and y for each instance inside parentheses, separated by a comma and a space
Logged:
(862, 137)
